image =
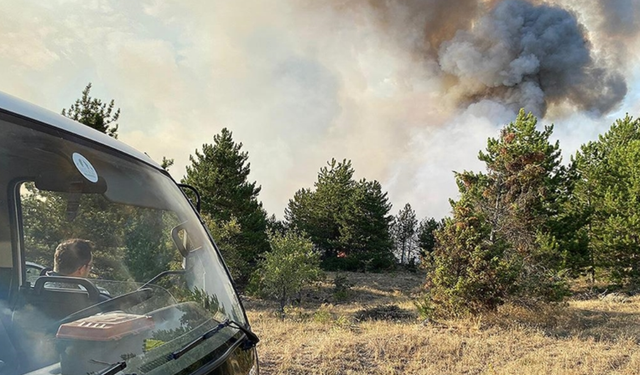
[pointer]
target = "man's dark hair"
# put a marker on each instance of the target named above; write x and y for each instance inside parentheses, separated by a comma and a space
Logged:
(71, 255)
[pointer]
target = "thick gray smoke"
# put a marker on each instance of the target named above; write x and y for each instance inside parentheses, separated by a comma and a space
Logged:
(409, 90)
(530, 56)
(522, 54)
(483, 60)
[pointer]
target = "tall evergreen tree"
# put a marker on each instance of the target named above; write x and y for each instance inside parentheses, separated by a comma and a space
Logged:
(604, 196)
(318, 213)
(94, 113)
(513, 210)
(302, 215)
(620, 233)
(525, 183)
(220, 172)
(426, 235)
(404, 233)
(364, 225)
(343, 217)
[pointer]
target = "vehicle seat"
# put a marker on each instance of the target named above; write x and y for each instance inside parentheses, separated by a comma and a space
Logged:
(59, 296)
(35, 316)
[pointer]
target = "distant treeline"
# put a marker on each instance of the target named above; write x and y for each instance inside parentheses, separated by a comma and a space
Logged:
(518, 231)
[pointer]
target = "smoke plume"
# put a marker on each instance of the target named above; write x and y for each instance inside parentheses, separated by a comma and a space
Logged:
(530, 56)
(409, 90)
(521, 54)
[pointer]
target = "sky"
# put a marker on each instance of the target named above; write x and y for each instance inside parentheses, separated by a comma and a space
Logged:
(408, 90)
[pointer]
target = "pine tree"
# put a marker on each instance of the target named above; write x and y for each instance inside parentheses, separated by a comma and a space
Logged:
(318, 212)
(94, 113)
(605, 198)
(506, 222)
(364, 226)
(525, 182)
(220, 172)
(404, 233)
(344, 218)
(620, 233)
(302, 215)
(426, 235)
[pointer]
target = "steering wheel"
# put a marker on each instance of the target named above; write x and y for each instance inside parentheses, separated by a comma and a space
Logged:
(120, 302)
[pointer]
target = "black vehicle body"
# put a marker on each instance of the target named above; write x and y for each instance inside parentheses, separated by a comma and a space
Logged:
(60, 180)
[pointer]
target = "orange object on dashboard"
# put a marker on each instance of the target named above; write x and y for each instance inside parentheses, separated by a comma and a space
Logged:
(105, 327)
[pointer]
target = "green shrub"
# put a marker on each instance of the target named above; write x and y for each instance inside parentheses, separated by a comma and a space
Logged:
(425, 307)
(291, 264)
(341, 288)
(323, 315)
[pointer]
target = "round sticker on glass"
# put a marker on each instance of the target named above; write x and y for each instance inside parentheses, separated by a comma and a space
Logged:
(84, 167)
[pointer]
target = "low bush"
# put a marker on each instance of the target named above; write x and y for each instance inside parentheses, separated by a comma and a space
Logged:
(341, 288)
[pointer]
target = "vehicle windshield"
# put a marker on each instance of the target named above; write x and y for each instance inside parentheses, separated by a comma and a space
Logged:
(154, 279)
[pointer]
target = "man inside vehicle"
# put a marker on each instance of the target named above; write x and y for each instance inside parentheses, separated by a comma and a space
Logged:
(73, 258)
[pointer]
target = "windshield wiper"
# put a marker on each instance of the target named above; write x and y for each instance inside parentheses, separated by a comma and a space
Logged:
(250, 341)
(113, 369)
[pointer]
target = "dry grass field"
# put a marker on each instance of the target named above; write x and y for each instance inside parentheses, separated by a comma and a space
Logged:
(375, 329)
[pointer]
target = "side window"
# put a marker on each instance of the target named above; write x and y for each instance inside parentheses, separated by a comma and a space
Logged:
(40, 228)
(129, 242)
(33, 271)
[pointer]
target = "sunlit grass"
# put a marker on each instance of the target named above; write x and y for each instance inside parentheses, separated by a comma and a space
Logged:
(322, 336)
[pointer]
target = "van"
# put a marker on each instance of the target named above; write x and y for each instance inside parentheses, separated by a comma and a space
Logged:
(157, 297)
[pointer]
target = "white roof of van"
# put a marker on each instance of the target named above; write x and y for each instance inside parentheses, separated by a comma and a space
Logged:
(23, 108)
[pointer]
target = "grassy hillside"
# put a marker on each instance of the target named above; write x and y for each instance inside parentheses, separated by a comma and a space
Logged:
(374, 328)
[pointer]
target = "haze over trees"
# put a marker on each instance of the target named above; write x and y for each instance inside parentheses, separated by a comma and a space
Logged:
(519, 231)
